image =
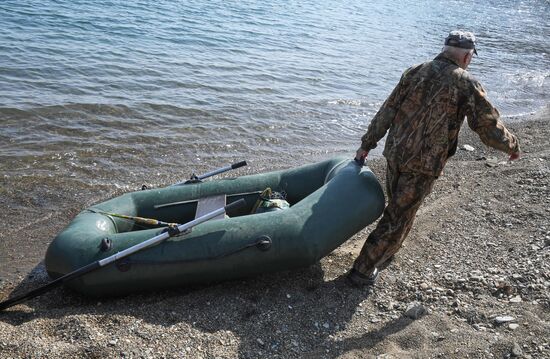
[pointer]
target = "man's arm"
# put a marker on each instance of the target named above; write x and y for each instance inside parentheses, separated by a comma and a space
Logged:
(383, 119)
(484, 119)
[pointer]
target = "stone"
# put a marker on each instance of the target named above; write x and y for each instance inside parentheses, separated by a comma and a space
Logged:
(504, 319)
(516, 351)
(479, 327)
(516, 299)
(492, 162)
(468, 148)
(424, 285)
(513, 326)
(415, 311)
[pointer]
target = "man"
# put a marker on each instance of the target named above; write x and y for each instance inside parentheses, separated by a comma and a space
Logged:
(424, 114)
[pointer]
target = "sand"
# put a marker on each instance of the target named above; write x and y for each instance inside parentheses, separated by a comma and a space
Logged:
(472, 281)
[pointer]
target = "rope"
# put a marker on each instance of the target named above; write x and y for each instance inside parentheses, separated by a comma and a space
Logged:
(257, 243)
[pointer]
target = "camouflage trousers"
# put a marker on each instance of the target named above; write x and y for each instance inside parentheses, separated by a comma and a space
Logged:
(406, 192)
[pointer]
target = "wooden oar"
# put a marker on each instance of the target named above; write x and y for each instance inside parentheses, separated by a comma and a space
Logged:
(138, 220)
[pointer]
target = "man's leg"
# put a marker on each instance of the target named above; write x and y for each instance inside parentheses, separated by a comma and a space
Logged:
(406, 192)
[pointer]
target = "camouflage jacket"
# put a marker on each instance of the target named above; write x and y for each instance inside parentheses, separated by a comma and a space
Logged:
(424, 114)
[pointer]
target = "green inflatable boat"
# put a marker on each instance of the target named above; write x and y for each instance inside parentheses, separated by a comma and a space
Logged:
(328, 202)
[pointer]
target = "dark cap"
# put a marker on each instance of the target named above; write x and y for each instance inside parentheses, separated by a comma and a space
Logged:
(462, 39)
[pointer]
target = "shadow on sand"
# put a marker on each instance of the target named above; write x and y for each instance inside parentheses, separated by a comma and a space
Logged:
(287, 314)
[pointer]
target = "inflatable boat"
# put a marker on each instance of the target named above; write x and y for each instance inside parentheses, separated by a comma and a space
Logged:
(328, 202)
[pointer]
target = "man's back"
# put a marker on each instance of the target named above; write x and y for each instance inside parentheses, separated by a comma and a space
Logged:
(424, 114)
(425, 128)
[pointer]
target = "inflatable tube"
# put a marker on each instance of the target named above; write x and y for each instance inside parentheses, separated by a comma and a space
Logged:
(329, 202)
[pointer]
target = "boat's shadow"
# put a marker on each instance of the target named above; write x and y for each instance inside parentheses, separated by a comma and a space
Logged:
(298, 312)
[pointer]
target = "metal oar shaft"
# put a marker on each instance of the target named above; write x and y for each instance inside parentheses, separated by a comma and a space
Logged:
(46, 288)
(221, 170)
(195, 179)
(122, 254)
(161, 237)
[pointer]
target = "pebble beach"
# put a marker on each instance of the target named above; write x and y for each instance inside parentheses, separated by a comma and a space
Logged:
(472, 281)
(98, 98)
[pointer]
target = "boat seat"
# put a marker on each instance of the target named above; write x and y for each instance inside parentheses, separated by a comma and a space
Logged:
(209, 204)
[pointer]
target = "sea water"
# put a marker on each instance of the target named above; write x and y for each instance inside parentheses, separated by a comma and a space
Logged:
(98, 97)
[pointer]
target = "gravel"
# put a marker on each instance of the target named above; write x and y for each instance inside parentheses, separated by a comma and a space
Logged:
(472, 280)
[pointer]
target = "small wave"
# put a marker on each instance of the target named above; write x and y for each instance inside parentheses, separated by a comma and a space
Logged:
(354, 102)
(74, 108)
(531, 79)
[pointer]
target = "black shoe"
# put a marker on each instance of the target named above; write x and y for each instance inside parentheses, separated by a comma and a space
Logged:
(358, 279)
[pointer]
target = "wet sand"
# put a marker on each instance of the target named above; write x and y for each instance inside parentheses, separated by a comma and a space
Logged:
(472, 280)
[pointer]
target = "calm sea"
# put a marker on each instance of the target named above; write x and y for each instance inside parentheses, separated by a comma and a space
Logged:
(98, 97)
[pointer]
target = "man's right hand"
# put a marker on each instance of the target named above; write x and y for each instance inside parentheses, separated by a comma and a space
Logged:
(361, 156)
(514, 156)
